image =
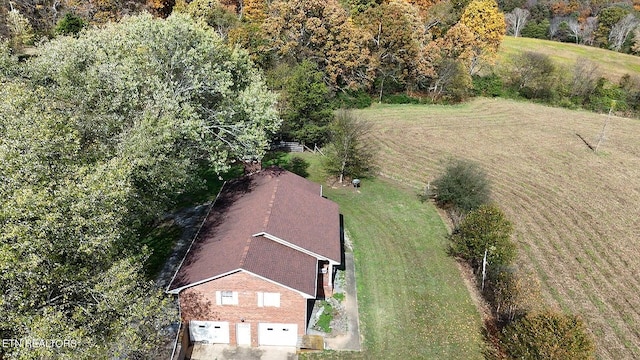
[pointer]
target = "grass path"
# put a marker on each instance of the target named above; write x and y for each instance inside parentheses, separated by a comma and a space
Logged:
(413, 303)
(575, 212)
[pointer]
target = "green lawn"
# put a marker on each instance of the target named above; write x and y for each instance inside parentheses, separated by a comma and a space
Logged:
(412, 301)
(612, 65)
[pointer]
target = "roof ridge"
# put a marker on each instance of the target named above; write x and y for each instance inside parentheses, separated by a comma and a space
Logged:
(245, 251)
(270, 206)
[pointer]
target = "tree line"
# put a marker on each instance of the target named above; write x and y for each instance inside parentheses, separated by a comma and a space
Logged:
(609, 25)
(521, 326)
(319, 55)
(317, 52)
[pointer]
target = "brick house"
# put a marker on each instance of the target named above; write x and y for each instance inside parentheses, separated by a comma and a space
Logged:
(268, 248)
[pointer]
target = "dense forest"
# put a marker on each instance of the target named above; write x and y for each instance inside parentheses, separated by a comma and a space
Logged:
(602, 23)
(321, 54)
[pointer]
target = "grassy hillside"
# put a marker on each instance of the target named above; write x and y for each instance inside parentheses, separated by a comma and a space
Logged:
(412, 300)
(612, 64)
(575, 212)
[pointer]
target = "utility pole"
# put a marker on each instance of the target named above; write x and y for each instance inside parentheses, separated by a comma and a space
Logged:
(604, 127)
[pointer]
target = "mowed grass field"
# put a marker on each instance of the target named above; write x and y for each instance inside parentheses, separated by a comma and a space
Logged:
(576, 213)
(412, 301)
(612, 65)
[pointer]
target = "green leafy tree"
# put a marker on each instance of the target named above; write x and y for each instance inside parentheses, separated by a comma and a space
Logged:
(548, 335)
(70, 24)
(249, 36)
(484, 229)
(537, 30)
(100, 138)
(360, 6)
(462, 187)
(20, 30)
(607, 19)
(306, 107)
(350, 153)
(211, 12)
(533, 75)
(8, 62)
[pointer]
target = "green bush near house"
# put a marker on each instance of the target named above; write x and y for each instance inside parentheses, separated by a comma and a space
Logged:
(339, 296)
(324, 321)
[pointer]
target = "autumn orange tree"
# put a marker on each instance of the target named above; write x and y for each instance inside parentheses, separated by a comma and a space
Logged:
(321, 31)
(396, 38)
(451, 56)
(254, 10)
(423, 5)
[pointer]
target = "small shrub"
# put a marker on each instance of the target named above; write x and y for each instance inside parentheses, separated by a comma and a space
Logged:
(298, 165)
(339, 296)
(324, 321)
(511, 293)
(70, 24)
(548, 335)
(485, 228)
(490, 85)
(463, 187)
(358, 99)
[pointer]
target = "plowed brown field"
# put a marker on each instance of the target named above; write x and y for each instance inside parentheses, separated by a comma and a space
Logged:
(576, 213)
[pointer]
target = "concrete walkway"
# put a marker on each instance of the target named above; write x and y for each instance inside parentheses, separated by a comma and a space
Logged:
(226, 352)
(351, 340)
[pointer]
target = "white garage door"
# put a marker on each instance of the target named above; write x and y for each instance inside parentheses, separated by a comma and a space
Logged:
(212, 332)
(278, 334)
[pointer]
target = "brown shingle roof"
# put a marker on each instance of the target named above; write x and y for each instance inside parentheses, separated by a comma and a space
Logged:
(275, 202)
(277, 262)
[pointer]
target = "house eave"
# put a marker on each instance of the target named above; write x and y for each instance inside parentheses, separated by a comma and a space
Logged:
(296, 247)
(177, 291)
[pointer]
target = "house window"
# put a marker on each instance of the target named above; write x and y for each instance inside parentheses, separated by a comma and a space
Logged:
(227, 297)
(268, 299)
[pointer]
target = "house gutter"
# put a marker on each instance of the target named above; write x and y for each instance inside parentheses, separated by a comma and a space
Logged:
(175, 343)
(194, 238)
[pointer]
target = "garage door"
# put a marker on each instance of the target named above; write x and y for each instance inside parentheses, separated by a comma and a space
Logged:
(212, 332)
(278, 334)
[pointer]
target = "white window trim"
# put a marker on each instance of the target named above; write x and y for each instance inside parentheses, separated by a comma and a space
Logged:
(267, 299)
(228, 300)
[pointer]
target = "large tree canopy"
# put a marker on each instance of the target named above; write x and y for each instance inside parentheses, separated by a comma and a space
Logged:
(320, 31)
(98, 135)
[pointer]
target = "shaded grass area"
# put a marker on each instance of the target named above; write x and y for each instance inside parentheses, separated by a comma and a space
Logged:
(412, 301)
(207, 186)
(613, 65)
(289, 161)
(160, 241)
